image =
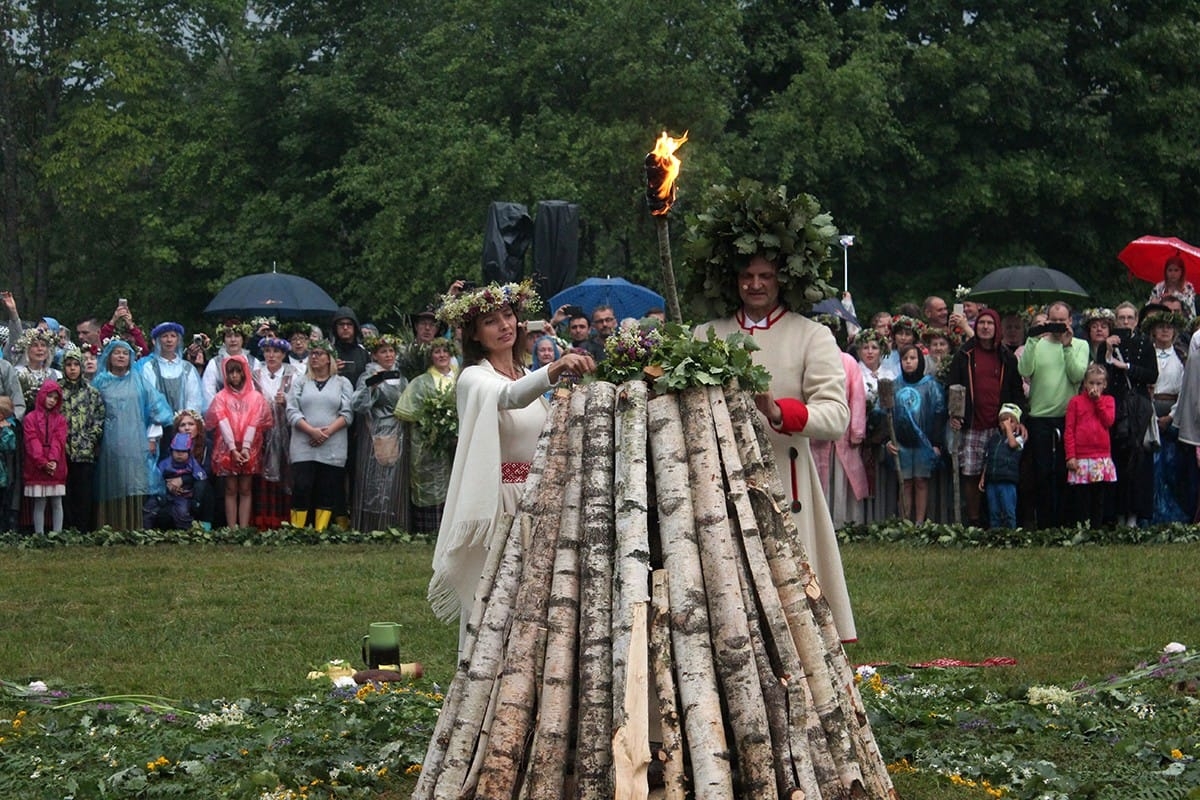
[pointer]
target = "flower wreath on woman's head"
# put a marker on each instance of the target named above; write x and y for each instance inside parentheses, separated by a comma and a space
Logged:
(391, 340)
(932, 332)
(1090, 315)
(752, 219)
(872, 335)
(458, 311)
(234, 326)
(31, 335)
(901, 321)
(1176, 321)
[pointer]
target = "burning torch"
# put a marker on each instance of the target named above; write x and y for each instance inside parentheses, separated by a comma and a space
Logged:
(662, 168)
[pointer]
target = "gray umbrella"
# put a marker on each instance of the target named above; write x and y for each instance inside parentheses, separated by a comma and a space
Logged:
(1024, 284)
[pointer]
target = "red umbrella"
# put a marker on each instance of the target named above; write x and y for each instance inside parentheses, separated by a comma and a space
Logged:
(1145, 257)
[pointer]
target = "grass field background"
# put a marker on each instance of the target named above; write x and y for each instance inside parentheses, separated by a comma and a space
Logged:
(203, 621)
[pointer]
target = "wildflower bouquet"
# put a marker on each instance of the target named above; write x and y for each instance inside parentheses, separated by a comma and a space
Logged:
(437, 420)
(674, 358)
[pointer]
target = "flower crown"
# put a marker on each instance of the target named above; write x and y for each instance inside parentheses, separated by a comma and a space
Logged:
(325, 346)
(270, 322)
(901, 321)
(1162, 318)
(961, 292)
(391, 340)
(31, 335)
(944, 333)
(290, 329)
(458, 311)
(1092, 314)
(424, 350)
(872, 335)
(235, 326)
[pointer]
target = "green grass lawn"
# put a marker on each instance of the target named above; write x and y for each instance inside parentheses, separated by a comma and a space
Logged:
(202, 621)
(198, 622)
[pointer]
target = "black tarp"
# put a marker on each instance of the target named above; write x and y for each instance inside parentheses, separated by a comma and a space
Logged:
(555, 246)
(506, 236)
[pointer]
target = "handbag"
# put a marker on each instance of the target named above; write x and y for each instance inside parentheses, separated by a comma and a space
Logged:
(1152, 439)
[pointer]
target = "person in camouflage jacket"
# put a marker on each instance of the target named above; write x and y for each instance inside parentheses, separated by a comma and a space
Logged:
(84, 409)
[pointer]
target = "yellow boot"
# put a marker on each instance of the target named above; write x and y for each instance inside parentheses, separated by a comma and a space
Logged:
(299, 519)
(321, 518)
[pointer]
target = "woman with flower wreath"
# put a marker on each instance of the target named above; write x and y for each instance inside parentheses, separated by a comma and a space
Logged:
(501, 412)
(905, 330)
(745, 267)
(234, 335)
(240, 416)
(275, 378)
(380, 499)
(84, 410)
(191, 423)
(318, 409)
(427, 405)
(34, 367)
(135, 413)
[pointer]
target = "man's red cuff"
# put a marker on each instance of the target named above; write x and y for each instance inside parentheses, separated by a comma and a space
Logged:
(795, 414)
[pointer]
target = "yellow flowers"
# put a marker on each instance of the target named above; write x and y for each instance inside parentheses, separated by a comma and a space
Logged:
(900, 767)
(876, 683)
(991, 791)
(161, 761)
(1177, 754)
(415, 769)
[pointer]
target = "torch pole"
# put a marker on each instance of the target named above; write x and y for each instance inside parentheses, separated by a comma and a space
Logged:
(668, 268)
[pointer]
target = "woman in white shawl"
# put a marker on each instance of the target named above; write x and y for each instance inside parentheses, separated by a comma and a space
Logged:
(501, 412)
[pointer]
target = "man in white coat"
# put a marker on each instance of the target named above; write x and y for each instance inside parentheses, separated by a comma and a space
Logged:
(806, 400)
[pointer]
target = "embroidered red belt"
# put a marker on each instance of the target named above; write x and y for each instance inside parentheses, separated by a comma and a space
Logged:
(514, 471)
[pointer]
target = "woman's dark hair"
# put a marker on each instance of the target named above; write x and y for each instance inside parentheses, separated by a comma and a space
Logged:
(473, 352)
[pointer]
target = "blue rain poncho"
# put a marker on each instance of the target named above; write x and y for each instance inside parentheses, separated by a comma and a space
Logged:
(134, 413)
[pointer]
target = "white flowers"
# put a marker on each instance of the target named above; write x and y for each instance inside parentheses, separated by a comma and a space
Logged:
(1174, 648)
(1049, 695)
(865, 671)
(344, 682)
(228, 715)
(40, 687)
(961, 291)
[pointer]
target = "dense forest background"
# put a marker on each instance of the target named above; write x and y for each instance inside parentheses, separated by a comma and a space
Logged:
(157, 150)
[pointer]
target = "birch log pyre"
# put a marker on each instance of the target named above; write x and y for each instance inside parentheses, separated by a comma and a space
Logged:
(739, 586)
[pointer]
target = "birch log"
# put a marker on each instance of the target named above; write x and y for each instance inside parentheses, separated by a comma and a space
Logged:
(700, 701)
(675, 782)
(631, 599)
(593, 761)
(734, 654)
(432, 764)
(783, 688)
(548, 758)
(515, 705)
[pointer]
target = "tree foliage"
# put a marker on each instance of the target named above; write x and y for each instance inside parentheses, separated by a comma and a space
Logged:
(159, 150)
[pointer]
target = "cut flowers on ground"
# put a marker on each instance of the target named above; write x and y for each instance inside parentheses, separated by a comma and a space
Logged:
(1126, 736)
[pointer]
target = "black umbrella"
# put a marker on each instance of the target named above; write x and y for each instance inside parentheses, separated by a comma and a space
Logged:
(272, 294)
(834, 306)
(1021, 285)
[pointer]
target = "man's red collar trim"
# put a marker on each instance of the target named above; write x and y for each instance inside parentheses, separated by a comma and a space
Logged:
(745, 323)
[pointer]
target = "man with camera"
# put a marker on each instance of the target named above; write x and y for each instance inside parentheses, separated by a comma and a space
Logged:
(1054, 362)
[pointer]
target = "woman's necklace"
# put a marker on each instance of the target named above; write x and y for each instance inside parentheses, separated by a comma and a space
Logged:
(514, 374)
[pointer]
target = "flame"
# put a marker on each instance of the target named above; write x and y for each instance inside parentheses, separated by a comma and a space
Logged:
(668, 165)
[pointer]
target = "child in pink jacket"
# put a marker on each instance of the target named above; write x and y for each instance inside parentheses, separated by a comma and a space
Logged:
(1087, 447)
(45, 464)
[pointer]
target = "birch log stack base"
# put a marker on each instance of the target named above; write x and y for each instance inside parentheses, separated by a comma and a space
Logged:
(651, 601)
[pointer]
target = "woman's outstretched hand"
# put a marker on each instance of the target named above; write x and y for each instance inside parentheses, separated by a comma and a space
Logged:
(572, 364)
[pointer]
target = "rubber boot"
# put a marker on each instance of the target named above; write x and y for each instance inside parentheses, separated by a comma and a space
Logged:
(321, 518)
(299, 519)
